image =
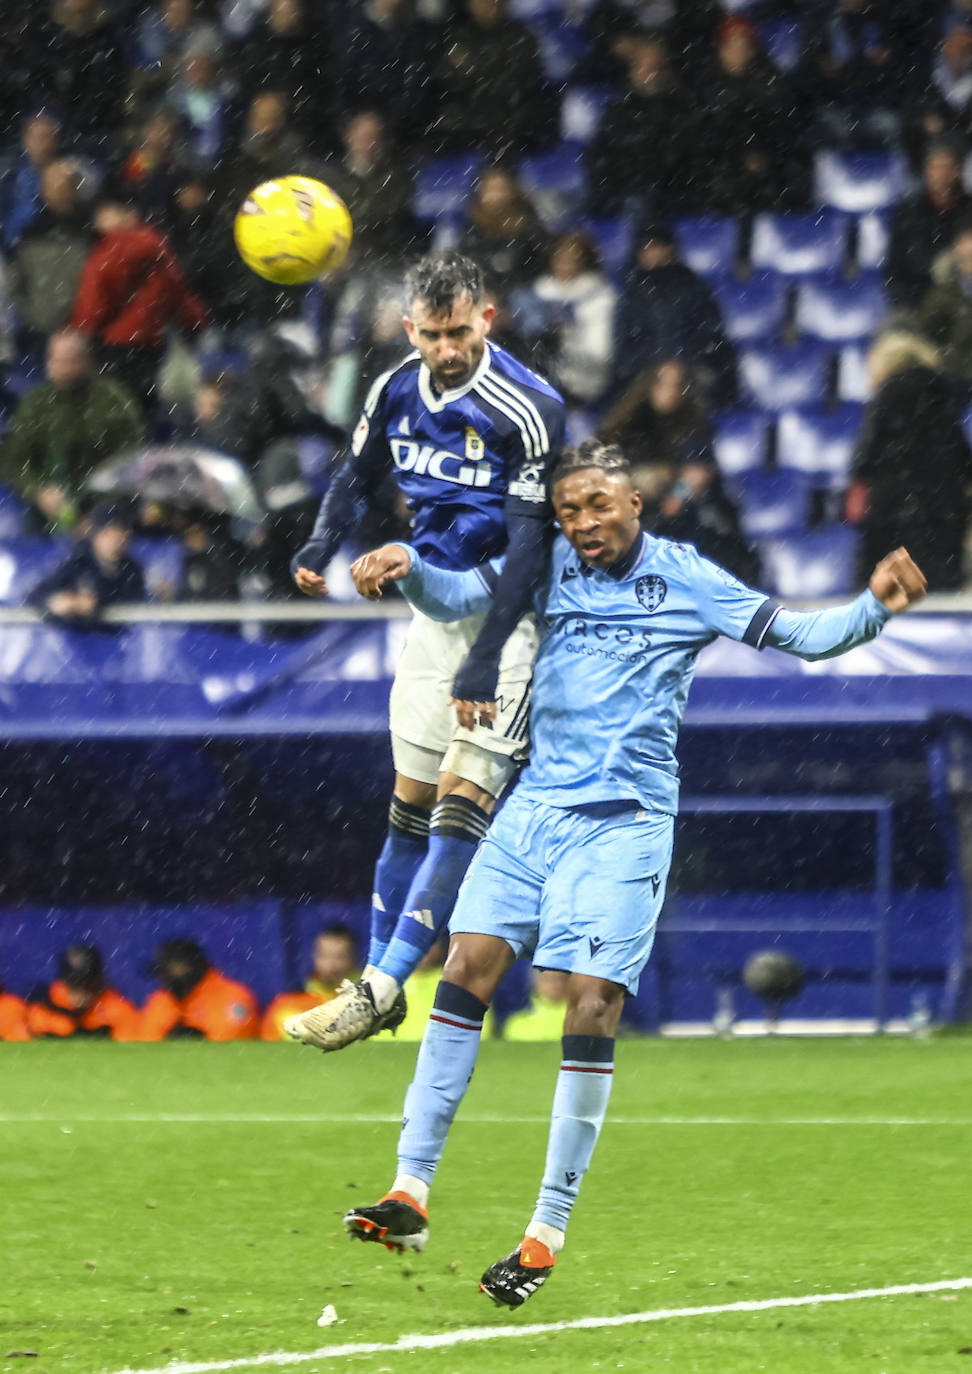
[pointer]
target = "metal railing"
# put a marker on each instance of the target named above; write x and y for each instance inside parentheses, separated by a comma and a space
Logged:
(327, 609)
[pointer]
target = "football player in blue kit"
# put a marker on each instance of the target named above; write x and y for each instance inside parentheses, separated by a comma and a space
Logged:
(573, 869)
(469, 434)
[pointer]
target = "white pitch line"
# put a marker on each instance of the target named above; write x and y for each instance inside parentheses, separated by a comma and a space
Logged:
(383, 1119)
(444, 1340)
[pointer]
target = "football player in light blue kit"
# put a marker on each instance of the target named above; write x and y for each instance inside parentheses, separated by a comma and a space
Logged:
(573, 869)
(468, 434)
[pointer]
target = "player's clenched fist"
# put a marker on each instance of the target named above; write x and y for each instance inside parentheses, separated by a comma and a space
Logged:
(373, 571)
(897, 581)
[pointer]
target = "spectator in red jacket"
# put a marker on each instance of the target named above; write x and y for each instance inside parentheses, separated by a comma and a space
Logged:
(132, 288)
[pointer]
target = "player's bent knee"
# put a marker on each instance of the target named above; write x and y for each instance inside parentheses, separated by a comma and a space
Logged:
(485, 768)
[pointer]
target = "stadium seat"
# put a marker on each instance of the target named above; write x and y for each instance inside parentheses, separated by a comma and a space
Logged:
(967, 424)
(562, 43)
(739, 440)
(772, 501)
(614, 242)
(556, 182)
(873, 236)
(782, 41)
(23, 562)
(752, 310)
(819, 442)
(708, 245)
(776, 379)
(853, 382)
(840, 311)
(162, 562)
(12, 511)
(443, 185)
(799, 245)
(858, 183)
(820, 563)
(581, 109)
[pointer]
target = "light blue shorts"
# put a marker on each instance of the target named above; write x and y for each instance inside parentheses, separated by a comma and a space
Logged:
(580, 890)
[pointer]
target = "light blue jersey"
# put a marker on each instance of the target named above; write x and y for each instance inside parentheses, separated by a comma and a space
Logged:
(617, 656)
(575, 865)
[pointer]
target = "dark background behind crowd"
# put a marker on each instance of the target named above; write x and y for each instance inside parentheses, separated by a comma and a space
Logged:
(694, 217)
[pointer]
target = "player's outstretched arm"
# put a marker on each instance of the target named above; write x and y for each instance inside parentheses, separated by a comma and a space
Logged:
(358, 475)
(439, 593)
(896, 583)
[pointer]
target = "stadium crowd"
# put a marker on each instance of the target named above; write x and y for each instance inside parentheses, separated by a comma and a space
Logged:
(694, 218)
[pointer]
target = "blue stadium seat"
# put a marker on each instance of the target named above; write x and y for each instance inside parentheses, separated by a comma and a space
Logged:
(581, 109)
(820, 563)
(739, 440)
(819, 442)
(853, 382)
(859, 182)
(556, 182)
(12, 511)
(782, 41)
(776, 379)
(840, 311)
(772, 501)
(799, 245)
(443, 185)
(614, 242)
(873, 236)
(23, 562)
(162, 562)
(967, 424)
(752, 310)
(708, 245)
(562, 44)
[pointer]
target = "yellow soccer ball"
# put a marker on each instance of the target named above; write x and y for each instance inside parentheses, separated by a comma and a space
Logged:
(292, 230)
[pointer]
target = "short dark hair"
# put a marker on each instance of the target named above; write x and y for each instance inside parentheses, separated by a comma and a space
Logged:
(439, 278)
(590, 453)
(337, 931)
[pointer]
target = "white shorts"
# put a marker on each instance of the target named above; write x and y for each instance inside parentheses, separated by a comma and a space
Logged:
(426, 737)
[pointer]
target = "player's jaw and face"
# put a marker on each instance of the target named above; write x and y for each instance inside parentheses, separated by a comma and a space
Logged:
(599, 513)
(451, 342)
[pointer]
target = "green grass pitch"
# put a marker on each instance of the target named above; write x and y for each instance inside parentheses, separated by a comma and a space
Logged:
(182, 1203)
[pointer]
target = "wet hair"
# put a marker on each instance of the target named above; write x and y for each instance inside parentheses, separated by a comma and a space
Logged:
(439, 279)
(591, 453)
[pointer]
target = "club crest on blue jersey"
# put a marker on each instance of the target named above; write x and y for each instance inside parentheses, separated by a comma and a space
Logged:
(651, 591)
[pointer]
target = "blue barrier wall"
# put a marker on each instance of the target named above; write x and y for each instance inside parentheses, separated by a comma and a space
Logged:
(163, 780)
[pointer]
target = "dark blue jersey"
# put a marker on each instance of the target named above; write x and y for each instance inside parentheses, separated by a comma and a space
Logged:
(468, 460)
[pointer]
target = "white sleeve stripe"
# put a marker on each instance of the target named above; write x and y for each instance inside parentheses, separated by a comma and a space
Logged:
(496, 400)
(524, 400)
(379, 384)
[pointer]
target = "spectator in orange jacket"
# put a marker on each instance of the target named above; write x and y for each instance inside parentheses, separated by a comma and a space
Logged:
(333, 958)
(132, 288)
(13, 1017)
(195, 999)
(79, 1001)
